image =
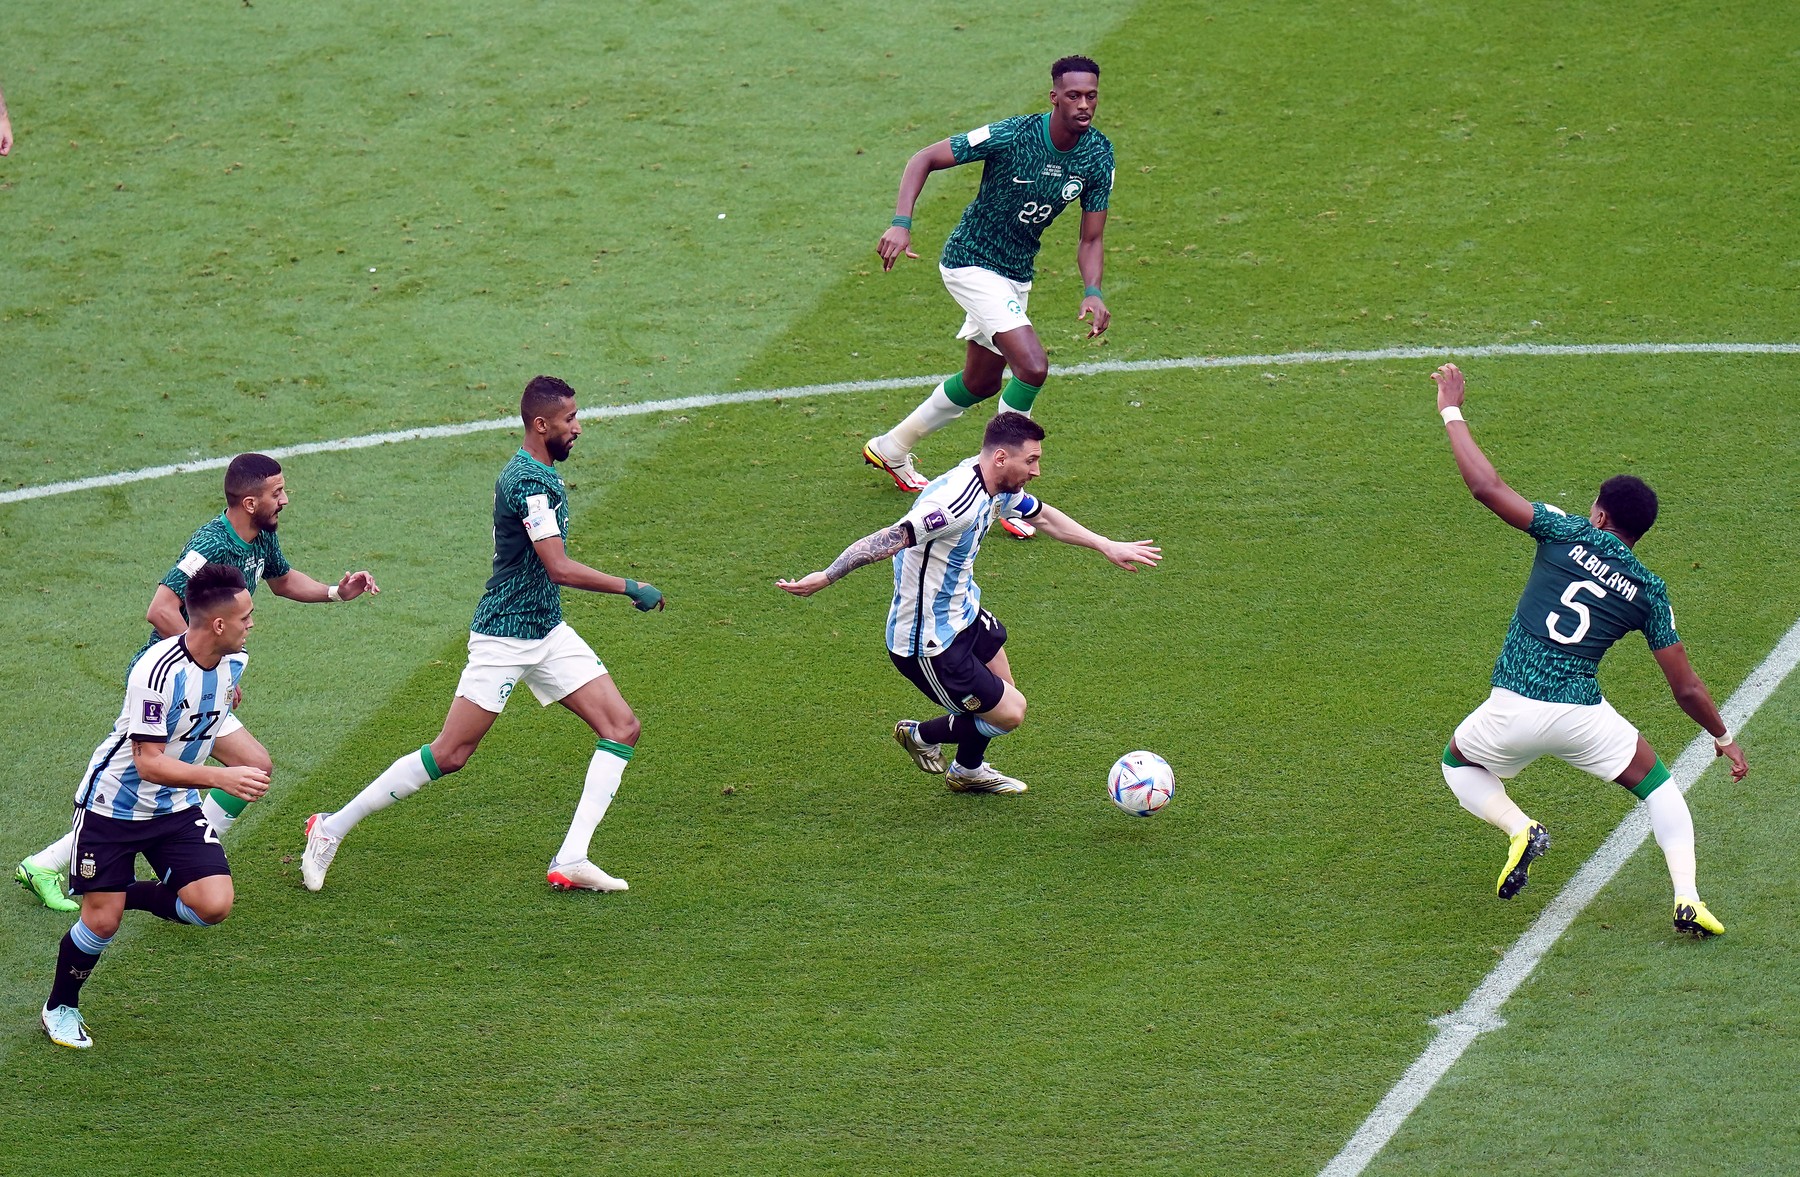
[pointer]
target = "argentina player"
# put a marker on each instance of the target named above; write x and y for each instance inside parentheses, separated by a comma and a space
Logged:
(938, 635)
(141, 793)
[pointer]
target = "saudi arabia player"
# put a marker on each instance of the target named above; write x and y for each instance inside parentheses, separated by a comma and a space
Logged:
(938, 635)
(141, 792)
(1587, 590)
(519, 635)
(243, 537)
(1034, 166)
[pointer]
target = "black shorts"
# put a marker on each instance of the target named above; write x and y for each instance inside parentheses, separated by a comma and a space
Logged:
(958, 678)
(180, 847)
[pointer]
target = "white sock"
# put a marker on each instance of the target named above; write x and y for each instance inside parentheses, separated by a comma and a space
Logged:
(56, 855)
(1674, 828)
(215, 813)
(604, 773)
(403, 778)
(1484, 795)
(933, 413)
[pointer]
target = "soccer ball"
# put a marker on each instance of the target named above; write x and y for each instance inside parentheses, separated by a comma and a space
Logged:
(1140, 783)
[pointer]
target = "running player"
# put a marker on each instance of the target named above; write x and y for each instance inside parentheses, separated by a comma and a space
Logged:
(938, 635)
(1034, 166)
(242, 536)
(519, 635)
(1586, 591)
(141, 794)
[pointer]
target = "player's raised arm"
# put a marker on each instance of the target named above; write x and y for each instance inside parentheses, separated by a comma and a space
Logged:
(879, 545)
(1127, 554)
(569, 572)
(1483, 481)
(898, 238)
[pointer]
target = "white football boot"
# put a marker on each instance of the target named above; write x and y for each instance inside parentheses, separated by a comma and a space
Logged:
(321, 848)
(929, 757)
(986, 779)
(899, 469)
(582, 876)
(1018, 528)
(65, 1027)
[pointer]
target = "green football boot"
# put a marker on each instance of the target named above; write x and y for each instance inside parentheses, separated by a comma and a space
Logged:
(46, 885)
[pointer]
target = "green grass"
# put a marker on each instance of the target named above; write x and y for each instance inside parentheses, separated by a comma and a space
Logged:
(838, 966)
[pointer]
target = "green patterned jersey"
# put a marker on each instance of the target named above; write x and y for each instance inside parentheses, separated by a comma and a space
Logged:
(1586, 591)
(217, 542)
(1025, 183)
(521, 601)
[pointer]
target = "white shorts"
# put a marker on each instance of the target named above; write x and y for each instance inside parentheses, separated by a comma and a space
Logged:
(554, 666)
(1509, 731)
(992, 304)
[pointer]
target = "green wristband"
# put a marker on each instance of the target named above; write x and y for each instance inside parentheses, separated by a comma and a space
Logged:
(902, 222)
(1091, 292)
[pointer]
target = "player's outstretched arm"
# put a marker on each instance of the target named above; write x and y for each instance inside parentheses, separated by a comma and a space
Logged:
(569, 572)
(1693, 697)
(1090, 259)
(898, 239)
(153, 765)
(1127, 554)
(164, 613)
(298, 586)
(1483, 481)
(880, 545)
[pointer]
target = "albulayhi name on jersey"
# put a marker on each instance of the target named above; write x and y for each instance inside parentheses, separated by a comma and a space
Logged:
(1603, 573)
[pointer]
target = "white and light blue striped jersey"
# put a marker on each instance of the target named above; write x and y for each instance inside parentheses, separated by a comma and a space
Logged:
(935, 594)
(170, 699)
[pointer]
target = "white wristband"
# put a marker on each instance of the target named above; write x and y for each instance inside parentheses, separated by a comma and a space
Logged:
(1450, 413)
(332, 594)
(1725, 740)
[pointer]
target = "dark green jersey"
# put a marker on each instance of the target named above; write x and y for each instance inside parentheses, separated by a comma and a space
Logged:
(521, 601)
(217, 542)
(1026, 182)
(1586, 591)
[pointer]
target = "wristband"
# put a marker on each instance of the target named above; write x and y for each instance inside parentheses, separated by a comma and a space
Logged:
(332, 594)
(1451, 413)
(902, 222)
(1091, 292)
(1725, 740)
(644, 596)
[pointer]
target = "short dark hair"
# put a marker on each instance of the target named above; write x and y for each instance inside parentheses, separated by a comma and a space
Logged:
(542, 396)
(1629, 502)
(1075, 64)
(209, 589)
(247, 473)
(1010, 430)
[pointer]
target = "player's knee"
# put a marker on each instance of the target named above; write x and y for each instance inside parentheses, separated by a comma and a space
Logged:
(1033, 370)
(452, 759)
(1010, 713)
(626, 730)
(983, 386)
(262, 760)
(212, 910)
(104, 924)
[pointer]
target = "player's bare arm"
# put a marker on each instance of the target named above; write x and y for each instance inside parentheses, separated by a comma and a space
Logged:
(298, 586)
(1127, 554)
(164, 613)
(151, 762)
(898, 239)
(1090, 259)
(1693, 697)
(881, 545)
(565, 570)
(1483, 481)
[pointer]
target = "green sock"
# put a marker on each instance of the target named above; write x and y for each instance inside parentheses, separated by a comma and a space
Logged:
(958, 394)
(1018, 395)
(1657, 777)
(233, 806)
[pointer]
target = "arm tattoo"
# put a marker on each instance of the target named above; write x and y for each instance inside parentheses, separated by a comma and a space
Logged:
(870, 548)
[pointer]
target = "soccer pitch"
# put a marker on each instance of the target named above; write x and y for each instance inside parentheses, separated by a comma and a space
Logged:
(253, 227)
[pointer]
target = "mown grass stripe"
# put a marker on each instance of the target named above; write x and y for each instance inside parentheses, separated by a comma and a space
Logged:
(750, 396)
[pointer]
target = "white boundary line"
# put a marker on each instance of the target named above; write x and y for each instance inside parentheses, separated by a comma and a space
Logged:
(1481, 1012)
(679, 404)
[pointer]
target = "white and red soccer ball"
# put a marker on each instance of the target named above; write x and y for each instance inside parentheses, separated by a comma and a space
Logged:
(1140, 783)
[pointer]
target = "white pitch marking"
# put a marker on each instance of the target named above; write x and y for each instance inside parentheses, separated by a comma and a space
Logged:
(1101, 367)
(1481, 1012)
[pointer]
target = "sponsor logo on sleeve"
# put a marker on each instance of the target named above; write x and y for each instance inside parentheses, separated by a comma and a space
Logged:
(936, 521)
(191, 563)
(980, 135)
(153, 712)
